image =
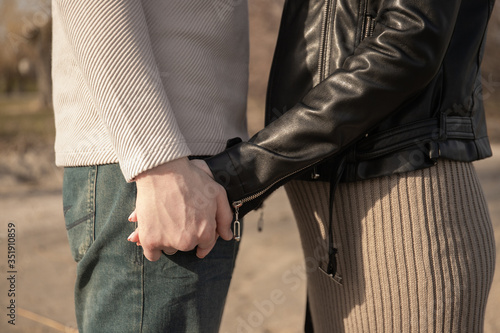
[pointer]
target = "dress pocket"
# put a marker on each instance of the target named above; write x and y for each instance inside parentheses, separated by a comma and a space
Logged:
(79, 208)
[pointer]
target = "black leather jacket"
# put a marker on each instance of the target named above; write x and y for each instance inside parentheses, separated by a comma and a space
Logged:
(385, 86)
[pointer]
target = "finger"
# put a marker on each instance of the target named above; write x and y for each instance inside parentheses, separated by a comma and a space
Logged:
(152, 255)
(224, 217)
(134, 236)
(203, 249)
(133, 217)
(169, 251)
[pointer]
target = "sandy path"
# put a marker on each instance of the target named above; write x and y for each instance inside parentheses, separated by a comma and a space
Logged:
(267, 293)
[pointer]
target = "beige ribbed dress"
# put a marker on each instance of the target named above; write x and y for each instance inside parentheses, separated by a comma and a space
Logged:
(415, 250)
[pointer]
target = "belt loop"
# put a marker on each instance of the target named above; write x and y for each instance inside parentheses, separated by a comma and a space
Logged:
(434, 151)
(442, 127)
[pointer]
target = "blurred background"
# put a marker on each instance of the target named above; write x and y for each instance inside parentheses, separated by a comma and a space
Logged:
(30, 186)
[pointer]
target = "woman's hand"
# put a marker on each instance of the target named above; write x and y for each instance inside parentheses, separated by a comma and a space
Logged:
(180, 207)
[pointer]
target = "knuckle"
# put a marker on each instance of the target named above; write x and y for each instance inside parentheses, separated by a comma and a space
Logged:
(207, 237)
(201, 254)
(152, 243)
(151, 256)
(186, 244)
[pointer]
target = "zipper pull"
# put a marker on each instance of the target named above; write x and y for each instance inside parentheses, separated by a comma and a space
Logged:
(260, 223)
(237, 225)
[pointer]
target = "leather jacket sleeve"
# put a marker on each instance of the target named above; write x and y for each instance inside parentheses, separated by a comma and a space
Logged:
(385, 72)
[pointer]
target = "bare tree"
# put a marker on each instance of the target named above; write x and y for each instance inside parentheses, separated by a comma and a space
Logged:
(28, 36)
(42, 43)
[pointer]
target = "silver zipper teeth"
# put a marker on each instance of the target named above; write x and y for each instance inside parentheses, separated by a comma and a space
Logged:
(237, 204)
(324, 35)
(368, 26)
(258, 194)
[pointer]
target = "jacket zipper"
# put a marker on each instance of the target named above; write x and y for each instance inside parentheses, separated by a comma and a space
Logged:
(323, 70)
(323, 67)
(369, 26)
(369, 22)
(237, 204)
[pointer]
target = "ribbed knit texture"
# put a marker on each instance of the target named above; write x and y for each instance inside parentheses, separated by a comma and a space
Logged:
(145, 82)
(416, 252)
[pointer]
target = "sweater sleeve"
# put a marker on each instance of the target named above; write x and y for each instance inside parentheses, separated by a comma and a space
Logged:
(112, 47)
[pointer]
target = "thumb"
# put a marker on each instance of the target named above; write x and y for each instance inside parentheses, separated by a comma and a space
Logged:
(133, 216)
(224, 217)
(203, 166)
(134, 237)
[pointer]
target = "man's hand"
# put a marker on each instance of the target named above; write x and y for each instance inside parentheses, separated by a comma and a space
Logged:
(180, 207)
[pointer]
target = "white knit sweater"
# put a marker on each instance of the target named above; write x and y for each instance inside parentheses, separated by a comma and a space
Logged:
(143, 82)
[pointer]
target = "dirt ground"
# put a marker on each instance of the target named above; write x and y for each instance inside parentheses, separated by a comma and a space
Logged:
(269, 264)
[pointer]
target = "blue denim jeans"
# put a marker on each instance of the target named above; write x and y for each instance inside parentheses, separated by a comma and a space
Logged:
(117, 289)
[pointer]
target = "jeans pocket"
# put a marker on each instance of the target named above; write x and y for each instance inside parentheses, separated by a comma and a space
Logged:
(79, 208)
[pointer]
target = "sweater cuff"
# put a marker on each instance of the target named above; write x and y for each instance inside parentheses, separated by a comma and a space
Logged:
(151, 159)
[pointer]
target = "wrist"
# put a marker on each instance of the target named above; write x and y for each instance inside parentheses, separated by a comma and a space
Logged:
(169, 168)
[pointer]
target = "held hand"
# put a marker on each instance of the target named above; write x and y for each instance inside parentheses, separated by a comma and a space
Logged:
(179, 207)
(201, 164)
